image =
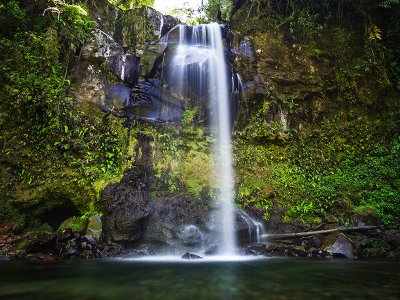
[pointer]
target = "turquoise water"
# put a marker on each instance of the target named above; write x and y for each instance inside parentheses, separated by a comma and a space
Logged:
(255, 279)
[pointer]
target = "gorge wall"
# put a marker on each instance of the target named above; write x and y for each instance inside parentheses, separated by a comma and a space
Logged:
(315, 137)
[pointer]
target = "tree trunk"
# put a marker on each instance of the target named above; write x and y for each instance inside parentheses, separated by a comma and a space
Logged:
(310, 233)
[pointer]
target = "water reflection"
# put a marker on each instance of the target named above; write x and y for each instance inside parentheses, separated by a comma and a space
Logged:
(254, 279)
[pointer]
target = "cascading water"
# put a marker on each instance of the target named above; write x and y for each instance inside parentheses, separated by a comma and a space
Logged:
(199, 68)
(255, 229)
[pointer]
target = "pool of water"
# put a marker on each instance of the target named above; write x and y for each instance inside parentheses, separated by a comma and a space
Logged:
(211, 279)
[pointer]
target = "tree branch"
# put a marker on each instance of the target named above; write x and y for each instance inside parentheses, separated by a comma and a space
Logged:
(310, 233)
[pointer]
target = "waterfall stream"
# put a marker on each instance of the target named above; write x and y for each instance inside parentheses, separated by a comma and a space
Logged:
(199, 65)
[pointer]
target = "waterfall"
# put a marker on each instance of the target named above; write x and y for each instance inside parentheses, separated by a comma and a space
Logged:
(199, 69)
(218, 75)
(123, 68)
(253, 226)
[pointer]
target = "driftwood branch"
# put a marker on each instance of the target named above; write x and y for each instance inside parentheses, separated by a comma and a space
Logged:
(310, 233)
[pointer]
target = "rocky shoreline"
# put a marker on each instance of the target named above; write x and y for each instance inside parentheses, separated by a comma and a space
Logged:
(67, 245)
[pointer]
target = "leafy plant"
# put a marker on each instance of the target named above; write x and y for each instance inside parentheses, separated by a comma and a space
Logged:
(305, 25)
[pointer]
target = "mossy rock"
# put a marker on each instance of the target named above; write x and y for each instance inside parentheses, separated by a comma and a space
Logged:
(95, 227)
(339, 245)
(77, 224)
(22, 245)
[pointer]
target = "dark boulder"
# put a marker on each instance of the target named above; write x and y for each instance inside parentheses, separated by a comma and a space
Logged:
(256, 249)
(300, 251)
(127, 205)
(316, 241)
(126, 67)
(190, 256)
(175, 223)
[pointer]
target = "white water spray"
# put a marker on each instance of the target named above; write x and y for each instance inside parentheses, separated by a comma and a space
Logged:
(218, 76)
(200, 62)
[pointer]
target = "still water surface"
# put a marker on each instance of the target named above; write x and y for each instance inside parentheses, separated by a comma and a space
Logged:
(248, 279)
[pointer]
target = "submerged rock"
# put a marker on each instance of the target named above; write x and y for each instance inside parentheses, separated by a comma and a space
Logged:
(190, 256)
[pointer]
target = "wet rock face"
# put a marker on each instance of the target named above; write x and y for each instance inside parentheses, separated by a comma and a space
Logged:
(110, 58)
(247, 229)
(102, 56)
(269, 61)
(118, 23)
(161, 24)
(176, 223)
(152, 60)
(101, 46)
(89, 85)
(190, 235)
(147, 102)
(135, 28)
(128, 205)
(126, 67)
(244, 49)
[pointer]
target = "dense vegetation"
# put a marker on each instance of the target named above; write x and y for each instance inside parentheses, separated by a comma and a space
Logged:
(342, 163)
(52, 152)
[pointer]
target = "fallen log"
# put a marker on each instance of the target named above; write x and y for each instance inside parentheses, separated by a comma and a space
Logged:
(281, 236)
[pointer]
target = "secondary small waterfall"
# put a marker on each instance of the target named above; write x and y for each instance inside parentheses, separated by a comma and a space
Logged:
(199, 70)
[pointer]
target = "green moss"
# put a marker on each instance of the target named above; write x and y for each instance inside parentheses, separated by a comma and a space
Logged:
(182, 161)
(52, 150)
(77, 224)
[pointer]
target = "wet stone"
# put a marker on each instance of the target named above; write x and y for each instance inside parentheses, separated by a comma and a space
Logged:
(339, 246)
(190, 256)
(256, 249)
(90, 239)
(94, 227)
(190, 235)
